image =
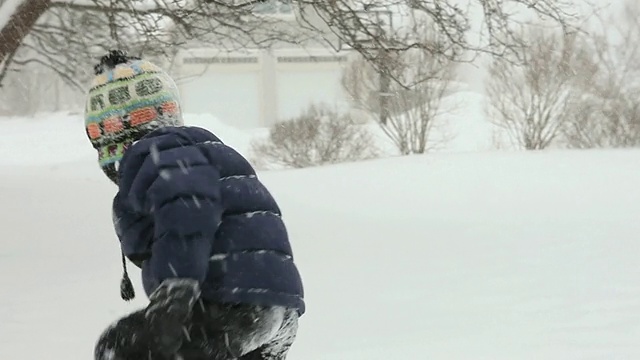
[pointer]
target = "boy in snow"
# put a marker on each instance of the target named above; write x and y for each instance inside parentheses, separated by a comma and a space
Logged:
(190, 212)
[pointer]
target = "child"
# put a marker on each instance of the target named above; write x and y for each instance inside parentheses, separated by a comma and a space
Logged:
(190, 212)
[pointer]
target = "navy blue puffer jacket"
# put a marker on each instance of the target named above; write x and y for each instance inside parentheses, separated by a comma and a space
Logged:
(189, 206)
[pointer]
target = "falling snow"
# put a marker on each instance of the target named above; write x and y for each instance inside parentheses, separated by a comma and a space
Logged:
(498, 255)
(7, 9)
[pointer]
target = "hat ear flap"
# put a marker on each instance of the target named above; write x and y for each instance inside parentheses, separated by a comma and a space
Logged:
(111, 170)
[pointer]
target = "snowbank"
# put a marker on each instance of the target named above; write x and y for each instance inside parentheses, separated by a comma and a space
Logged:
(46, 139)
(56, 138)
(447, 256)
(239, 139)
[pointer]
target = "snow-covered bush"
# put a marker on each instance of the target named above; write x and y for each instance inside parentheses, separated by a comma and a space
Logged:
(318, 136)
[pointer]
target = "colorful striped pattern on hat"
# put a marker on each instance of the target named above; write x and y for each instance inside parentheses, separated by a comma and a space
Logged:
(124, 104)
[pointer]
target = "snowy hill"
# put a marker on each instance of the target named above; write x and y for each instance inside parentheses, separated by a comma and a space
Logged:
(488, 255)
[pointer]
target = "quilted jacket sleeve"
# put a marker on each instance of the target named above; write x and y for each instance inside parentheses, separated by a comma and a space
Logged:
(167, 180)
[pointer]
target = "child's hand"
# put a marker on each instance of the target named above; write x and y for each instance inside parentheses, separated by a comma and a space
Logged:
(169, 313)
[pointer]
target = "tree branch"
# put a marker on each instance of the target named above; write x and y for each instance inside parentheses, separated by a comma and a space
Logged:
(19, 25)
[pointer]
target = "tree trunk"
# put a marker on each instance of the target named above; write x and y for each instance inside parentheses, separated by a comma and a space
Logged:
(20, 24)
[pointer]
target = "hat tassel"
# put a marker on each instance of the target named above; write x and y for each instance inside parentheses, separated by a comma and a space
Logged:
(126, 287)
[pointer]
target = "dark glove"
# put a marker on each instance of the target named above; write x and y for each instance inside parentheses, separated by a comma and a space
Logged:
(169, 313)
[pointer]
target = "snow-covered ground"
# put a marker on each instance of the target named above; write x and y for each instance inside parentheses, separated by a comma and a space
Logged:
(464, 254)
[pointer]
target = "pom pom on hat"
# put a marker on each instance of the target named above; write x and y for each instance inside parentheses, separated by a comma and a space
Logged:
(111, 60)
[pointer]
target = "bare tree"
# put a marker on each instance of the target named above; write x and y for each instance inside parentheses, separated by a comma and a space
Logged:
(610, 111)
(533, 101)
(65, 33)
(407, 114)
(32, 91)
(20, 17)
(367, 26)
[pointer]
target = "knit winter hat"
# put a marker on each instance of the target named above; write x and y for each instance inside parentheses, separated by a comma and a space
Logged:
(128, 98)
